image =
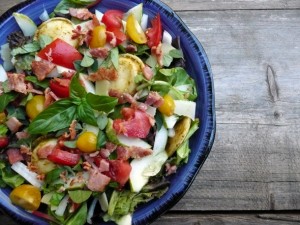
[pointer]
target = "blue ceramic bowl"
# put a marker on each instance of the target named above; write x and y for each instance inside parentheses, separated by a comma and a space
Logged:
(197, 66)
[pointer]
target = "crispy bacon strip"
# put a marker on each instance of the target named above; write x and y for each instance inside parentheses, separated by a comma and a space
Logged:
(14, 155)
(154, 99)
(99, 52)
(13, 124)
(80, 13)
(125, 153)
(16, 82)
(110, 74)
(42, 68)
(97, 181)
(122, 97)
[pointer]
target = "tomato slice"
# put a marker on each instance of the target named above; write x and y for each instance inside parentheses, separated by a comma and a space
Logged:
(135, 123)
(155, 32)
(112, 19)
(60, 53)
(4, 141)
(62, 157)
(60, 90)
(119, 171)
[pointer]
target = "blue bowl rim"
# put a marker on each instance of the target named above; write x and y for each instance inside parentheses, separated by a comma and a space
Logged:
(211, 114)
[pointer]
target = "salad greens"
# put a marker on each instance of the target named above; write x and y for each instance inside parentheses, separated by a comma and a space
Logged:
(93, 119)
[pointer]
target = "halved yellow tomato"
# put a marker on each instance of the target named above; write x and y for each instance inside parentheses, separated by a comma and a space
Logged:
(35, 106)
(87, 142)
(26, 196)
(135, 31)
(98, 37)
(167, 108)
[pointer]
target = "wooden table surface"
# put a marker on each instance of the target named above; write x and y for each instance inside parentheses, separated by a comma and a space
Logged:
(252, 175)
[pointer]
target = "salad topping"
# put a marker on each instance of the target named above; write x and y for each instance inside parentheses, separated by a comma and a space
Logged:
(96, 111)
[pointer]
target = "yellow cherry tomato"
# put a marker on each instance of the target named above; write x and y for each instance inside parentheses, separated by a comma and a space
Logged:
(135, 31)
(87, 142)
(26, 196)
(167, 108)
(98, 37)
(35, 106)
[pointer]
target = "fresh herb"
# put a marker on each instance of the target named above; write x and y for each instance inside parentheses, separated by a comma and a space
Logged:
(3, 130)
(6, 98)
(80, 216)
(44, 40)
(87, 60)
(9, 177)
(79, 196)
(85, 113)
(27, 48)
(64, 5)
(23, 62)
(44, 83)
(101, 103)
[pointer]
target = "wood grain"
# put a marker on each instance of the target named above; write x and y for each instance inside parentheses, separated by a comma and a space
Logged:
(229, 219)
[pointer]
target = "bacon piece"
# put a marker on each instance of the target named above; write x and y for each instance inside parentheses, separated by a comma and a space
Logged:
(110, 74)
(22, 135)
(125, 153)
(122, 97)
(13, 124)
(109, 148)
(63, 82)
(154, 99)
(68, 74)
(80, 13)
(30, 89)
(16, 82)
(14, 155)
(147, 72)
(99, 52)
(42, 68)
(131, 48)
(50, 97)
(97, 181)
(44, 151)
(73, 130)
(111, 37)
(80, 34)
(157, 52)
(25, 150)
(103, 165)
(170, 169)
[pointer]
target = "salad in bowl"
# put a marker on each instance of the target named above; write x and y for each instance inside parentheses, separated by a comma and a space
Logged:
(96, 112)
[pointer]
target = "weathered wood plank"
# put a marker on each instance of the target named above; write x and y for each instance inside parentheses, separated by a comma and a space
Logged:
(229, 219)
(255, 162)
(201, 5)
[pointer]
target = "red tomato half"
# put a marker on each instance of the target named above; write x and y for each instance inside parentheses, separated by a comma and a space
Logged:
(63, 157)
(60, 90)
(136, 123)
(4, 142)
(112, 19)
(154, 33)
(119, 171)
(120, 35)
(61, 53)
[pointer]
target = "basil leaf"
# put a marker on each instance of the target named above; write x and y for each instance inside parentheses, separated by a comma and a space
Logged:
(87, 60)
(23, 62)
(176, 53)
(102, 121)
(6, 98)
(79, 196)
(101, 103)
(80, 217)
(64, 5)
(101, 139)
(114, 56)
(10, 177)
(85, 113)
(3, 130)
(27, 48)
(56, 198)
(57, 116)
(44, 84)
(76, 89)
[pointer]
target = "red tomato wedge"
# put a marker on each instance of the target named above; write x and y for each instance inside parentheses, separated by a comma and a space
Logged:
(119, 171)
(61, 91)
(63, 157)
(155, 32)
(135, 123)
(60, 53)
(112, 19)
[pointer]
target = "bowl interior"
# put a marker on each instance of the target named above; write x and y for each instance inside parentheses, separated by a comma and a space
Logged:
(197, 66)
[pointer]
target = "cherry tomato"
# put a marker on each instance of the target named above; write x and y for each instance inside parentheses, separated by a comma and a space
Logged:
(112, 19)
(98, 37)
(87, 142)
(154, 33)
(61, 53)
(119, 171)
(135, 31)
(35, 106)
(60, 90)
(120, 35)
(62, 157)
(26, 196)
(167, 108)
(4, 141)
